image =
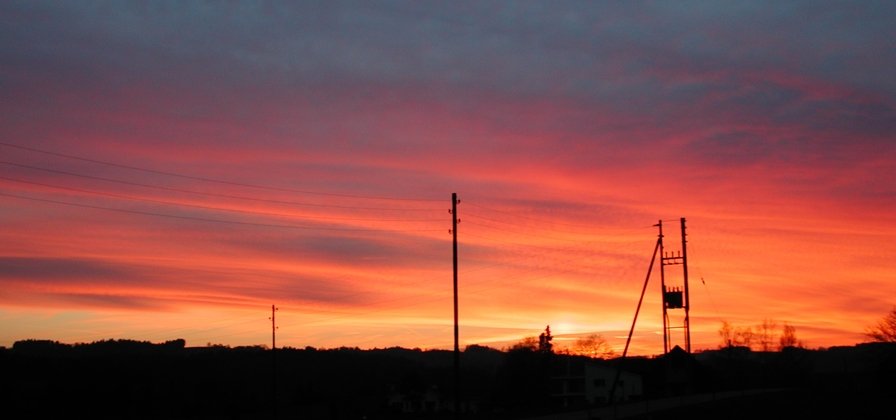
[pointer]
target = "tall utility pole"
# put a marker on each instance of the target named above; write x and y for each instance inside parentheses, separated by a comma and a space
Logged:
(659, 225)
(454, 221)
(687, 295)
(273, 318)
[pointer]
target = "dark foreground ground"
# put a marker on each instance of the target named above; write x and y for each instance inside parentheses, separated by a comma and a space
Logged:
(139, 380)
(742, 405)
(787, 404)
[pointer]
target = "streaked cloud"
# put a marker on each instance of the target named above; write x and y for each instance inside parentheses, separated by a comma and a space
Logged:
(340, 130)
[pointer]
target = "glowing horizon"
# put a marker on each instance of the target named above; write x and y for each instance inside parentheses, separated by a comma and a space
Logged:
(171, 172)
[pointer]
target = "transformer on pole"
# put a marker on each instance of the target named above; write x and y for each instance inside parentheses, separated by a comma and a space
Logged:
(676, 296)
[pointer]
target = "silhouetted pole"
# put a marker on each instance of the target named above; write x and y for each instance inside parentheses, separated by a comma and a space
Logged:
(659, 244)
(274, 327)
(663, 288)
(454, 221)
(274, 310)
(687, 296)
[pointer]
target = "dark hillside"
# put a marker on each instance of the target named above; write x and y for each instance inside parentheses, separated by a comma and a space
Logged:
(141, 380)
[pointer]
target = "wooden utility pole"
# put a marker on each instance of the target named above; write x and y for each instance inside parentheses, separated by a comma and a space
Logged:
(454, 221)
(274, 310)
(663, 288)
(273, 318)
(687, 295)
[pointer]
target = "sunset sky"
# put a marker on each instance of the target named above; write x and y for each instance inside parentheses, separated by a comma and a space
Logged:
(171, 170)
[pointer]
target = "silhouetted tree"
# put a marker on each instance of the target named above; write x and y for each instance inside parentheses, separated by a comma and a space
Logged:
(544, 341)
(744, 336)
(788, 338)
(41, 347)
(885, 329)
(178, 344)
(733, 336)
(765, 334)
(761, 336)
(725, 333)
(528, 343)
(594, 345)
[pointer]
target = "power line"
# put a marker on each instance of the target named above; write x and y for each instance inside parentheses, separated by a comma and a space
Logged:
(229, 323)
(207, 179)
(433, 296)
(532, 218)
(705, 287)
(545, 221)
(419, 298)
(415, 299)
(520, 257)
(203, 219)
(529, 235)
(551, 265)
(209, 194)
(199, 206)
(376, 307)
(583, 246)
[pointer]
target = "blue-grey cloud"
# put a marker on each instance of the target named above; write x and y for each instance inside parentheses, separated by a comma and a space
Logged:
(99, 300)
(118, 279)
(652, 66)
(64, 269)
